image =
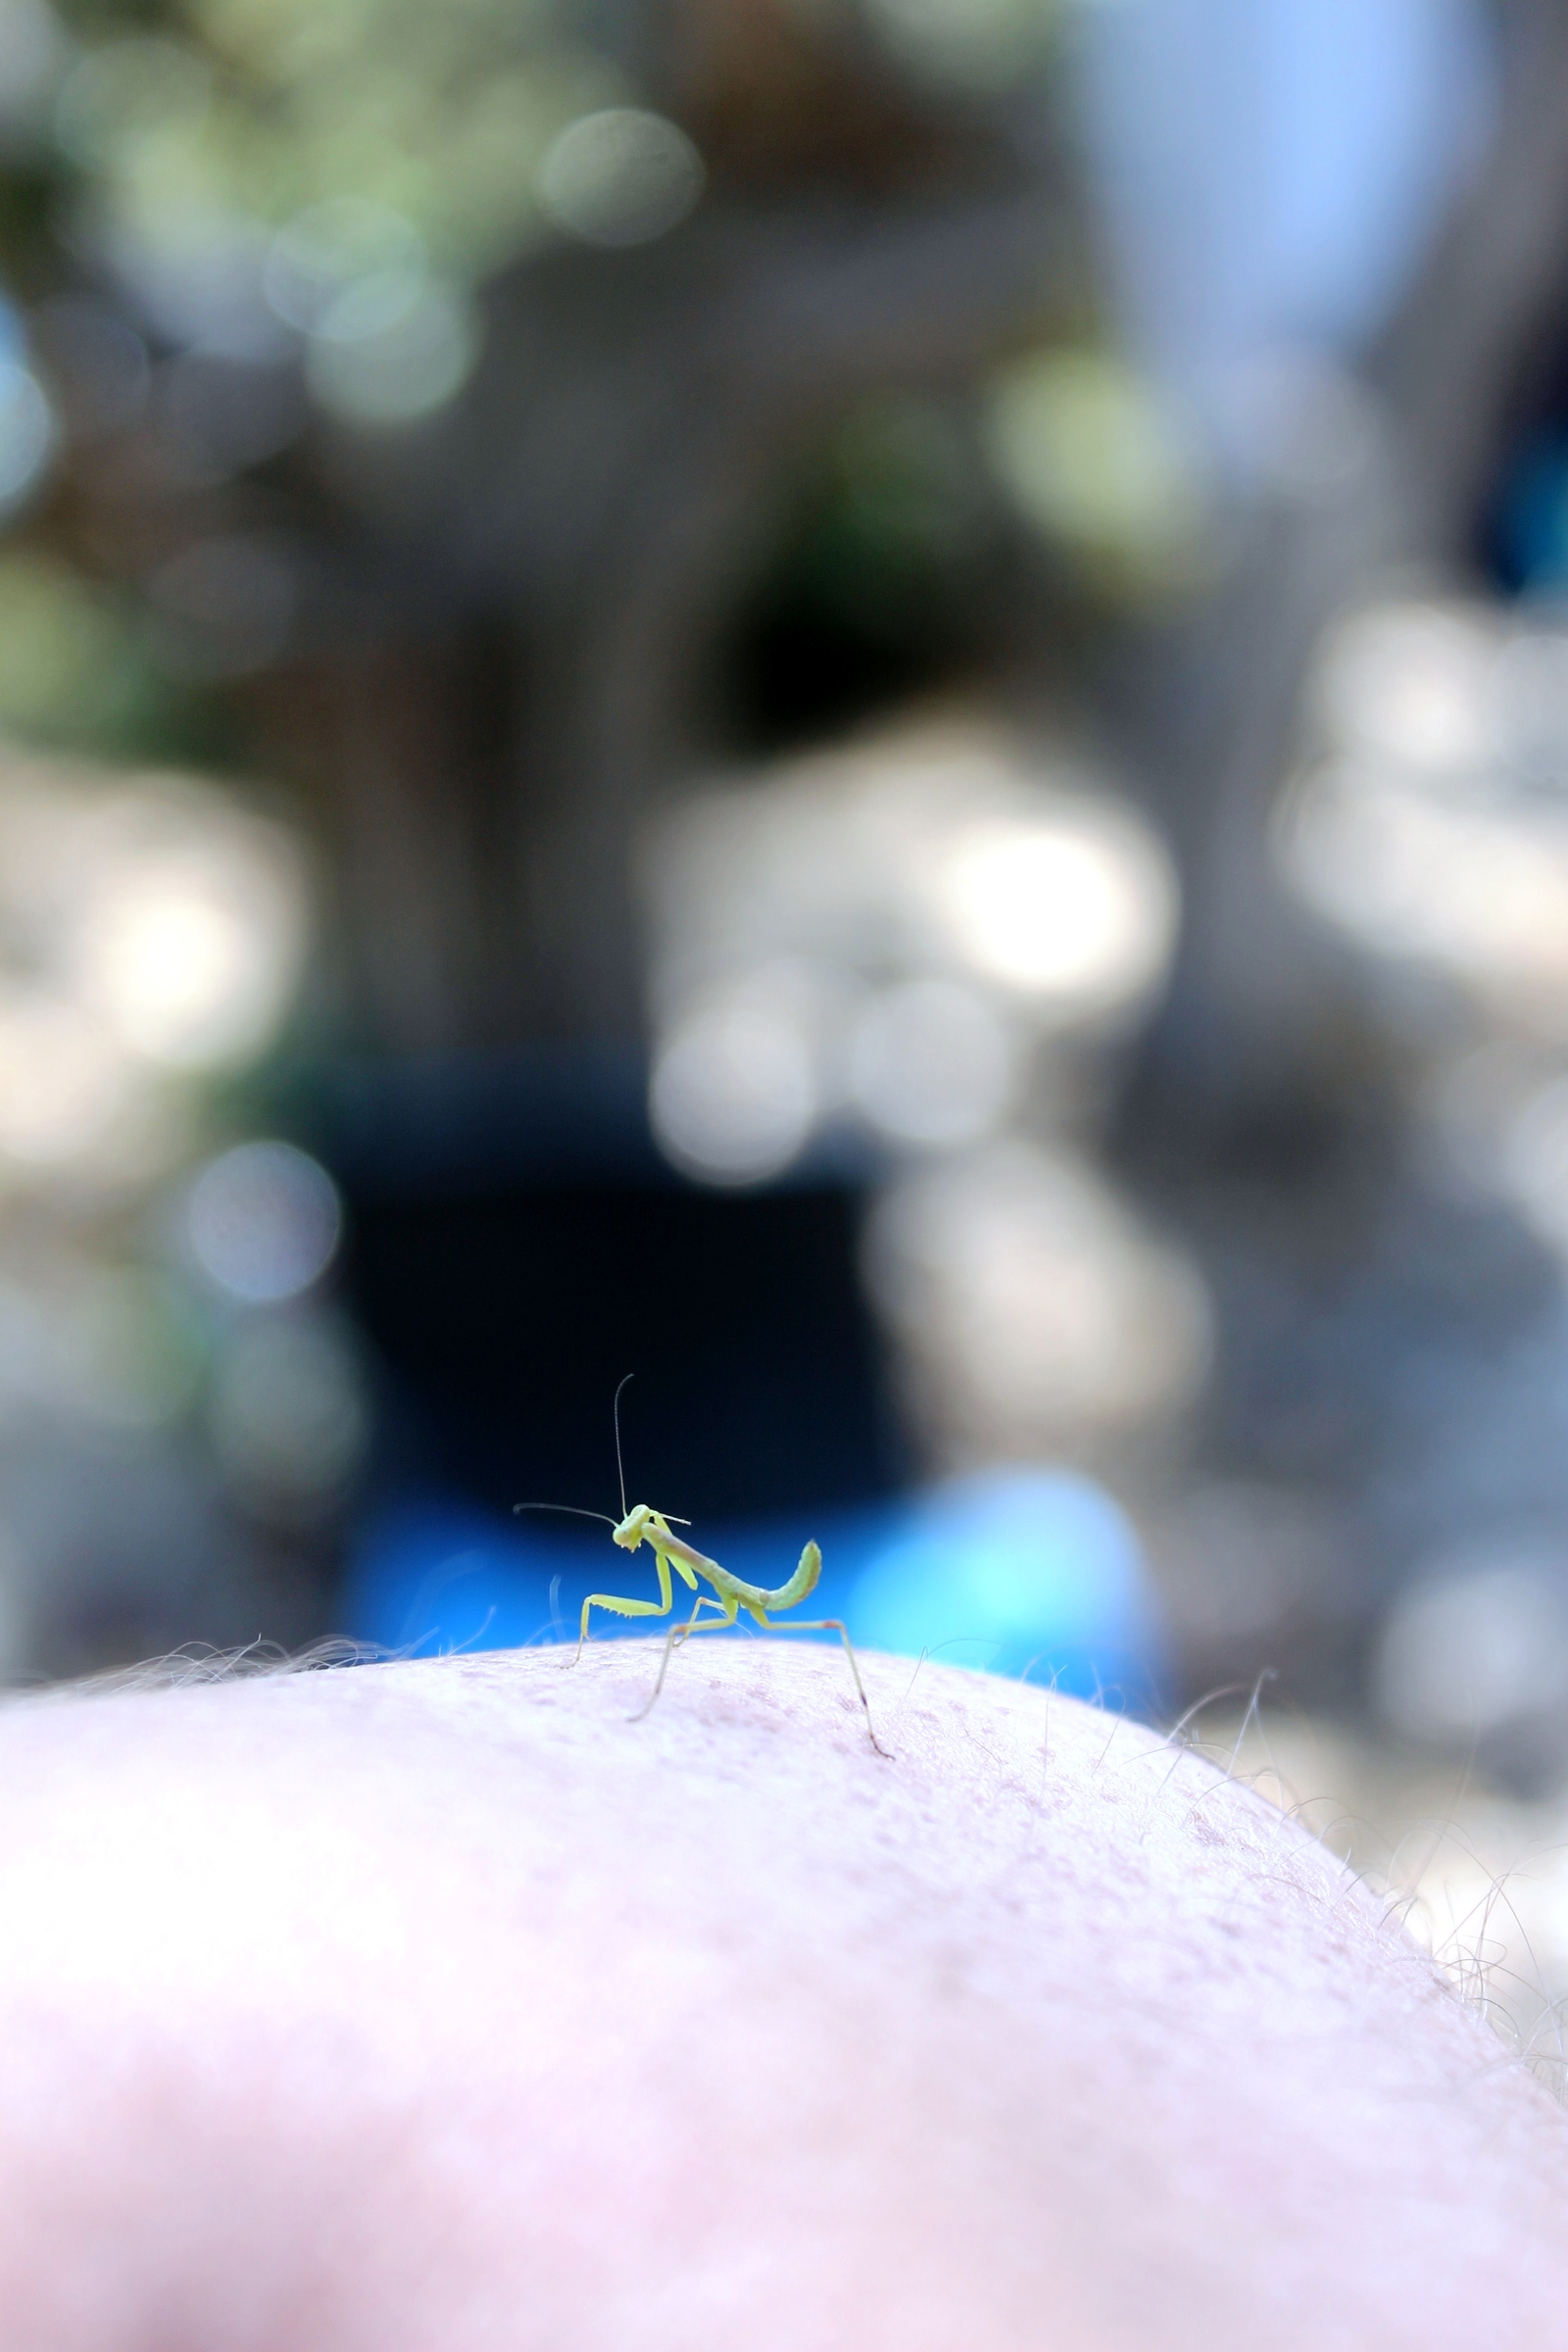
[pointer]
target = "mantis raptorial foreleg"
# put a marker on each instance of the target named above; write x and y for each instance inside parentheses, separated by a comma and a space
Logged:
(620, 1608)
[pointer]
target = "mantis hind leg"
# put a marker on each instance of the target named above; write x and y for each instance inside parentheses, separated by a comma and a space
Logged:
(682, 1633)
(835, 1625)
(810, 1625)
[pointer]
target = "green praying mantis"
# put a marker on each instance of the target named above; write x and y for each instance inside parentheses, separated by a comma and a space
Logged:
(674, 1556)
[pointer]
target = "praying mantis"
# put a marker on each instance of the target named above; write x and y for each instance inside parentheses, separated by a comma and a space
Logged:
(674, 1556)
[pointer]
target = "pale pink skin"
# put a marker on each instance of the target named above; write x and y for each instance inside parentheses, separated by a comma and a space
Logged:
(434, 2008)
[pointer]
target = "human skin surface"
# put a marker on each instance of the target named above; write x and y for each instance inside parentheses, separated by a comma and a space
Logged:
(436, 2007)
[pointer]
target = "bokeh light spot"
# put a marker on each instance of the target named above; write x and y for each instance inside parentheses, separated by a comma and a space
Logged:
(1475, 1645)
(1093, 460)
(328, 248)
(64, 1081)
(620, 176)
(190, 953)
(265, 1221)
(392, 348)
(929, 1063)
(734, 1092)
(1077, 910)
(1409, 683)
(1038, 1303)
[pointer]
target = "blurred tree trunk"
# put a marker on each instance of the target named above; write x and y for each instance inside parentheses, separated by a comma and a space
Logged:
(1264, 1009)
(631, 421)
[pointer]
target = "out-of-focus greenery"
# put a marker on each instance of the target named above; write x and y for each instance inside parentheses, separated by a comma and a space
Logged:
(896, 515)
(1100, 466)
(257, 108)
(309, 194)
(970, 45)
(75, 669)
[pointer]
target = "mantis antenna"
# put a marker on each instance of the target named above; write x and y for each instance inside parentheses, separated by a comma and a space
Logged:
(570, 1507)
(574, 1511)
(620, 1467)
(619, 1463)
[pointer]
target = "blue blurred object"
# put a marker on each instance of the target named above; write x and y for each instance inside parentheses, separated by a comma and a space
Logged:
(1269, 173)
(433, 1576)
(1533, 519)
(1020, 1572)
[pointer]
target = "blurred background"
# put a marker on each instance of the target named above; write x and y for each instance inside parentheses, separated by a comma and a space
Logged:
(862, 705)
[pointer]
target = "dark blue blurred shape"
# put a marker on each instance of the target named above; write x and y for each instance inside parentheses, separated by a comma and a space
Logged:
(1532, 519)
(518, 1245)
(1022, 1572)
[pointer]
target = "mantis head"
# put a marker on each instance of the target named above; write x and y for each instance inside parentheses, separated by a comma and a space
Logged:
(632, 1529)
